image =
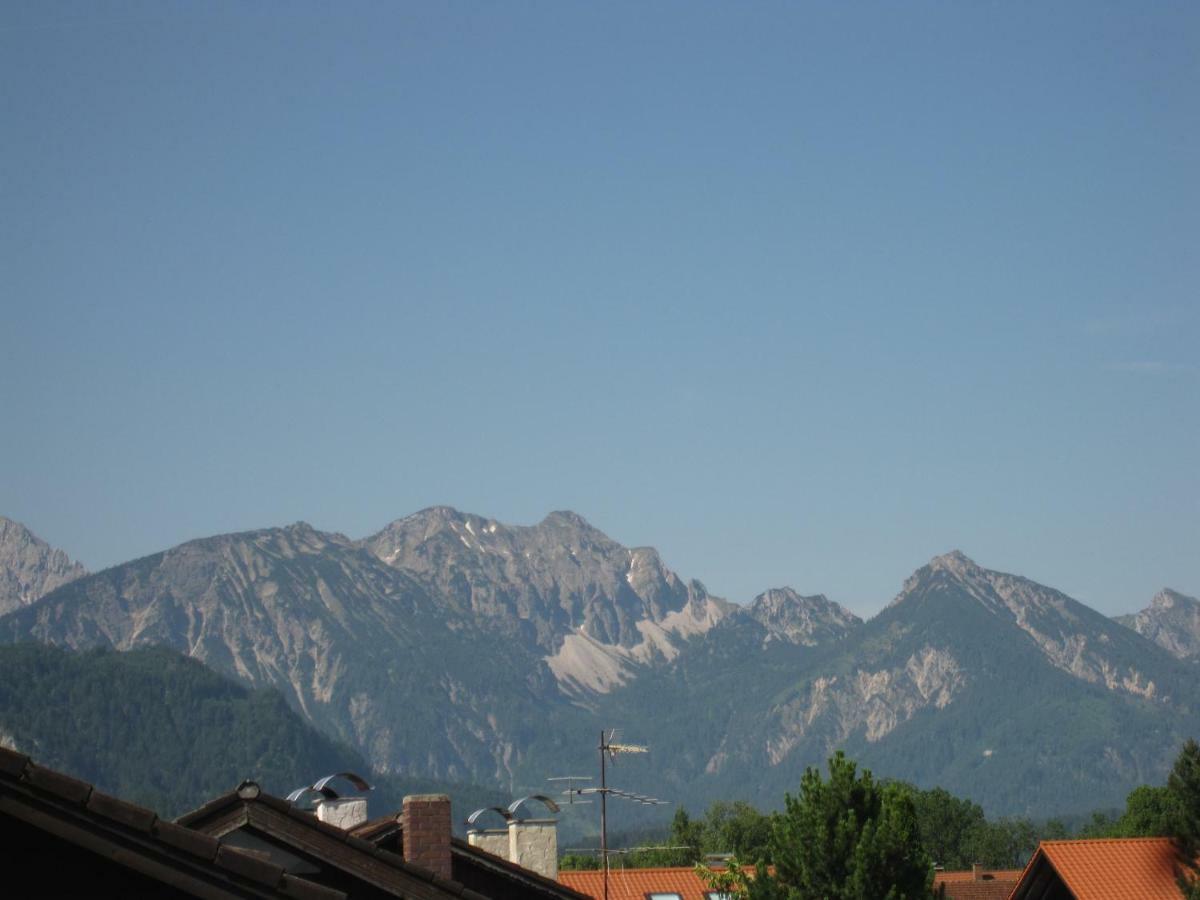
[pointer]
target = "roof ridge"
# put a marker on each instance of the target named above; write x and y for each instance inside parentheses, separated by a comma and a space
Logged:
(1108, 840)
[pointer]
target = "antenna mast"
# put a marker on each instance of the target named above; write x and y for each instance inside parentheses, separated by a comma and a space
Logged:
(609, 748)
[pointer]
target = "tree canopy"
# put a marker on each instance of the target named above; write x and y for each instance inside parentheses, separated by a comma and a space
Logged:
(845, 838)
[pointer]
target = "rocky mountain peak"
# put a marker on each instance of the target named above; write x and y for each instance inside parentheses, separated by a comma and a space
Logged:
(1070, 635)
(955, 562)
(588, 602)
(29, 567)
(800, 619)
(1172, 620)
(1169, 599)
(565, 518)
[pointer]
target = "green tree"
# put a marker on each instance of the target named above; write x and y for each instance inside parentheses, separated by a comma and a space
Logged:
(740, 829)
(1184, 784)
(572, 862)
(950, 827)
(848, 838)
(1149, 812)
(685, 832)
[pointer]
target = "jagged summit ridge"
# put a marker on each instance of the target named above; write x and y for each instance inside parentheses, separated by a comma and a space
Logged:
(806, 620)
(1069, 634)
(596, 609)
(1172, 620)
(29, 567)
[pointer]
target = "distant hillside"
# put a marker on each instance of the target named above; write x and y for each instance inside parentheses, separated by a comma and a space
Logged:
(162, 730)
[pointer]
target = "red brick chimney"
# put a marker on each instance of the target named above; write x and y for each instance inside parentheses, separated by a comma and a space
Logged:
(426, 822)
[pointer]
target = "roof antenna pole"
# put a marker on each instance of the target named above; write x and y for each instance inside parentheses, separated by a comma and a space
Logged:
(610, 746)
(603, 814)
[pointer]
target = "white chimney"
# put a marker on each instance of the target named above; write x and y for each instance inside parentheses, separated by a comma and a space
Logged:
(491, 840)
(533, 844)
(344, 812)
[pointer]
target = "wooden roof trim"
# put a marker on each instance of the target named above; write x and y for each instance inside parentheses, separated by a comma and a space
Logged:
(302, 831)
(136, 838)
(383, 828)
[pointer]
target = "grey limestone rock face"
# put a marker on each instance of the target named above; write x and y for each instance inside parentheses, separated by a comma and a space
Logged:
(1172, 620)
(29, 567)
(802, 620)
(593, 605)
(1071, 636)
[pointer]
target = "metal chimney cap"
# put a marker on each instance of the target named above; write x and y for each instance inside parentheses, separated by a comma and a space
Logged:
(358, 781)
(499, 810)
(541, 798)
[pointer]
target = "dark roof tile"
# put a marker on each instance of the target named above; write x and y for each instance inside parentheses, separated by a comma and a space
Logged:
(211, 806)
(293, 886)
(194, 842)
(136, 817)
(241, 863)
(56, 783)
(11, 762)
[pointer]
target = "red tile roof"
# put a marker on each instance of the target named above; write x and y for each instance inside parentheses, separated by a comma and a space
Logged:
(1107, 869)
(635, 884)
(984, 875)
(987, 884)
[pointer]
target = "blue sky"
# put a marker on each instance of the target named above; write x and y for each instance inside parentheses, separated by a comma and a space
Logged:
(798, 293)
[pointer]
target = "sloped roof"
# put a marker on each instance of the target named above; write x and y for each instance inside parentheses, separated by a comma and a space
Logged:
(1103, 869)
(77, 815)
(985, 884)
(469, 863)
(989, 884)
(635, 884)
(249, 807)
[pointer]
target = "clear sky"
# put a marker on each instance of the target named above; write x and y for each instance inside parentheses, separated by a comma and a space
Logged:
(798, 293)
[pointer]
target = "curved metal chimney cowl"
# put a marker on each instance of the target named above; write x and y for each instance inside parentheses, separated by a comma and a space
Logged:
(330, 807)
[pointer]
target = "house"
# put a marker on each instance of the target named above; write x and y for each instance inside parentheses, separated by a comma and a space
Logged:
(67, 839)
(683, 883)
(977, 884)
(473, 866)
(73, 839)
(1101, 869)
(667, 883)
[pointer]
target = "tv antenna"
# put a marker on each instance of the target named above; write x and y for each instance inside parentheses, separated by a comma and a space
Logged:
(610, 747)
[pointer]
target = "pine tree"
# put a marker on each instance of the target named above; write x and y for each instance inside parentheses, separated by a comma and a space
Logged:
(848, 838)
(1184, 783)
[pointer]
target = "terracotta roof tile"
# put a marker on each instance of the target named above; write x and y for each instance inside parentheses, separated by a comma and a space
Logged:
(1000, 889)
(635, 884)
(968, 875)
(988, 884)
(1113, 868)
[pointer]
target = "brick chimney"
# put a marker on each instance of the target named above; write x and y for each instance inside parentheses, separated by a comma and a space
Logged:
(426, 822)
(976, 872)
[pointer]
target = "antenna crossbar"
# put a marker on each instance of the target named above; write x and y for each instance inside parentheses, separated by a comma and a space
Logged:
(609, 748)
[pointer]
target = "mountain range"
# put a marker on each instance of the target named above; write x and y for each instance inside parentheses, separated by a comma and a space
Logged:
(453, 646)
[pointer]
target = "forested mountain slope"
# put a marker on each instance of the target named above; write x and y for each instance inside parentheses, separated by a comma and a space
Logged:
(164, 731)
